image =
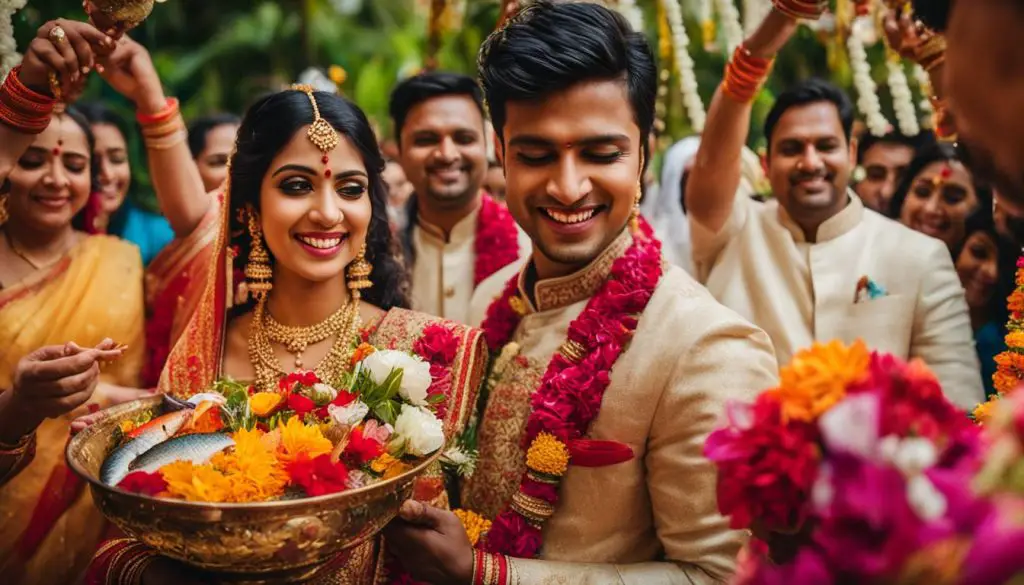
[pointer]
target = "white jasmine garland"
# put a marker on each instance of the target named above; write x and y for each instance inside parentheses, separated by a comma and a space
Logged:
(867, 98)
(902, 99)
(687, 78)
(349, 415)
(732, 30)
(415, 373)
(9, 56)
(463, 461)
(924, 85)
(418, 431)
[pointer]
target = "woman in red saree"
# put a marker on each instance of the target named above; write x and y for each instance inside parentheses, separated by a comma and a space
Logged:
(304, 215)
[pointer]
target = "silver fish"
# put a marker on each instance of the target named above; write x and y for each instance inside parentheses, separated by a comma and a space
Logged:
(197, 448)
(142, 439)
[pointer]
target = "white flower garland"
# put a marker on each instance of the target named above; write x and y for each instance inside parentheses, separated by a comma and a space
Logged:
(687, 77)
(867, 98)
(924, 85)
(9, 56)
(902, 99)
(732, 30)
(633, 14)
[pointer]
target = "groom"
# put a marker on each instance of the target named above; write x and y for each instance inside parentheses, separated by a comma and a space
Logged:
(611, 368)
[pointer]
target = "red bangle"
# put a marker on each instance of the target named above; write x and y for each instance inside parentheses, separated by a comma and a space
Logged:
(23, 109)
(490, 568)
(744, 75)
(163, 115)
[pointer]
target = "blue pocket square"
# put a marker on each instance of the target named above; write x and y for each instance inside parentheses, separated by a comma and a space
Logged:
(868, 290)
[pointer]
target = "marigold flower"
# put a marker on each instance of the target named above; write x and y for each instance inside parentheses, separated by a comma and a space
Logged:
(253, 468)
(126, 426)
(1005, 381)
(388, 466)
(475, 524)
(265, 403)
(1015, 339)
(983, 412)
(299, 439)
(1016, 302)
(195, 483)
(818, 377)
(547, 455)
(361, 352)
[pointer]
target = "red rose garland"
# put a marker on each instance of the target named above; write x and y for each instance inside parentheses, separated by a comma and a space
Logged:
(497, 240)
(570, 394)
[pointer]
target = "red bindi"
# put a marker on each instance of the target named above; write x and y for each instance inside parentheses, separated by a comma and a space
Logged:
(327, 173)
(947, 172)
(56, 152)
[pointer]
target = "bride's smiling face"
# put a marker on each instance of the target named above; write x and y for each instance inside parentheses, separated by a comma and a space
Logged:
(315, 215)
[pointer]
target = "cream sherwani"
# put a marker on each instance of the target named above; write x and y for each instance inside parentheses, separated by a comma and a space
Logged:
(761, 266)
(442, 273)
(651, 520)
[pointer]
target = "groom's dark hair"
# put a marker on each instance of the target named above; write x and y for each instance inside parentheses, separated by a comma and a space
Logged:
(550, 46)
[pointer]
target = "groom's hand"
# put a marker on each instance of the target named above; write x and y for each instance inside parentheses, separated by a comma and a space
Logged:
(431, 544)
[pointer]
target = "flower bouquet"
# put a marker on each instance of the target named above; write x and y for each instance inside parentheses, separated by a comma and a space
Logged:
(270, 484)
(856, 469)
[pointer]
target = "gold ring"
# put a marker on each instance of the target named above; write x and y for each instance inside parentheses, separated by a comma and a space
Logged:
(57, 35)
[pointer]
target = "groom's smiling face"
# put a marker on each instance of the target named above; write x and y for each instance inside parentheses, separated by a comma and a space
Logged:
(573, 165)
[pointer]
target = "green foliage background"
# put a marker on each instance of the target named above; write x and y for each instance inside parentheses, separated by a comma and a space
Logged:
(218, 55)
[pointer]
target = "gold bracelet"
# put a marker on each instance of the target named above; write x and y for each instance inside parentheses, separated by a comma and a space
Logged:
(19, 448)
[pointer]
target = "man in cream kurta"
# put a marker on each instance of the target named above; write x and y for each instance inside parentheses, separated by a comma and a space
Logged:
(813, 264)
(439, 128)
(761, 266)
(444, 264)
(654, 518)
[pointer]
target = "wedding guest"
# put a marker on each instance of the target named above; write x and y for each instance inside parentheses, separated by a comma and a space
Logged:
(813, 264)
(884, 161)
(455, 237)
(210, 139)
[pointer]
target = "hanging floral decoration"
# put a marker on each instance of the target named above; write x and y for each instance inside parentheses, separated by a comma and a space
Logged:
(902, 98)
(867, 91)
(9, 56)
(732, 30)
(687, 77)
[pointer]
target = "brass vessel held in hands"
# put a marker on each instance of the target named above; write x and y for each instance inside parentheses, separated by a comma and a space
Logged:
(124, 13)
(266, 542)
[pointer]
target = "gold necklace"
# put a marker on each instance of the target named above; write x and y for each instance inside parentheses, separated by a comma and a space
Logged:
(268, 368)
(297, 339)
(17, 252)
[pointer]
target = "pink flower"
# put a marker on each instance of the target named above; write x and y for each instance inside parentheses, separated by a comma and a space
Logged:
(512, 535)
(141, 482)
(376, 431)
(765, 470)
(437, 345)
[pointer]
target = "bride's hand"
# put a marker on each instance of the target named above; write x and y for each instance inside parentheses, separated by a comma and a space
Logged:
(71, 55)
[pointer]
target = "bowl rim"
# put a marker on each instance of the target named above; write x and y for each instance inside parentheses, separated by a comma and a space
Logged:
(116, 410)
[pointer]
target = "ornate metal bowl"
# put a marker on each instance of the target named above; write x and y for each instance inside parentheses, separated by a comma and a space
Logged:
(276, 542)
(126, 13)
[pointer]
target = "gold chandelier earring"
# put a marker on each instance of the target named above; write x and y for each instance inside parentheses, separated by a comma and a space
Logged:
(4, 215)
(359, 274)
(258, 274)
(634, 214)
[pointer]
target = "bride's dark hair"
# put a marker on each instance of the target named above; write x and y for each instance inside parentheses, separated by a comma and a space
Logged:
(267, 127)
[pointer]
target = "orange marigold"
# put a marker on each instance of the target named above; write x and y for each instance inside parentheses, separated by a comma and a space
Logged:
(264, 403)
(388, 466)
(362, 352)
(253, 468)
(1005, 381)
(475, 524)
(1015, 339)
(1016, 302)
(983, 412)
(299, 439)
(196, 483)
(548, 455)
(817, 378)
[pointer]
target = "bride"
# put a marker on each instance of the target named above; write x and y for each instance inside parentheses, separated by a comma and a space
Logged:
(306, 251)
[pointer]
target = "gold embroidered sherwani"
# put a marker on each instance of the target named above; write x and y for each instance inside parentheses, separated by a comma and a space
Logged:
(761, 266)
(442, 274)
(653, 519)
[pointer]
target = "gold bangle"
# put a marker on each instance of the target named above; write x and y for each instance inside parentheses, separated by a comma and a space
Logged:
(19, 448)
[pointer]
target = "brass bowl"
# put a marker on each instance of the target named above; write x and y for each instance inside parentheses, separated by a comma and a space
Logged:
(124, 13)
(281, 541)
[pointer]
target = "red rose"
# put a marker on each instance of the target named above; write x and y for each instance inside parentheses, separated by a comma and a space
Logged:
(512, 535)
(300, 404)
(141, 482)
(319, 476)
(361, 449)
(437, 345)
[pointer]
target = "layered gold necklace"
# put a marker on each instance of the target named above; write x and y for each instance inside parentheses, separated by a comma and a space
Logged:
(343, 324)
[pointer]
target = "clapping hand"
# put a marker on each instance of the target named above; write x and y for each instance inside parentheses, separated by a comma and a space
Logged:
(431, 544)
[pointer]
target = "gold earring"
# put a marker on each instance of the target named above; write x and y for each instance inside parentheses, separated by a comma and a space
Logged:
(634, 215)
(4, 216)
(359, 274)
(258, 274)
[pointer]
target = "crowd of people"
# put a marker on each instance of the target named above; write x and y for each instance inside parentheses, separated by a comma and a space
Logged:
(613, 305)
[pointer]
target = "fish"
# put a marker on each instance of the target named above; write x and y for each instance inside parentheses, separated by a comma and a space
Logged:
(142, 439)
(196, 448)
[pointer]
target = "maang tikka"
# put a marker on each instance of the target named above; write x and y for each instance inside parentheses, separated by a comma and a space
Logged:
(320, 132)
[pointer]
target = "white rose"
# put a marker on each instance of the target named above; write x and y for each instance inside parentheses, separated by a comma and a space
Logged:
(349, 415)
(419, 430)
(415, 373)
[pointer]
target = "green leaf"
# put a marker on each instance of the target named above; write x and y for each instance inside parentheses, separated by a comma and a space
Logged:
(387, 411)
(436, 398)
(393, 383)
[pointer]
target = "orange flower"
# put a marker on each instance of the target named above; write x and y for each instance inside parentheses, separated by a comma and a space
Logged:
(817, 378)
(253, 469)
(1015, 339)
(264, 403)
(195, 483)
(298, 439)
(1005, 382)
(1016, 302)
(361, 352)
(983, 412)
(475, 524)
(388, 466)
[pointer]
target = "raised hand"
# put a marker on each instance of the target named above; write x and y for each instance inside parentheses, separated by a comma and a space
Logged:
(67, 48)
(431, 543)
(129, 70)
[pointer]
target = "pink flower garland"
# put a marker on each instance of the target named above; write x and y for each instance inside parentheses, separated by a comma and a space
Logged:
(570, 394)
(497, 240)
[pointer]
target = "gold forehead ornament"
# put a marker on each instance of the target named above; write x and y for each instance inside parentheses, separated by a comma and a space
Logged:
(320, 132)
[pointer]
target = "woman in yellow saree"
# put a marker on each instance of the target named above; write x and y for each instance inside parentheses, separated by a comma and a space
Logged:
(304, 218)
(57, 285)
